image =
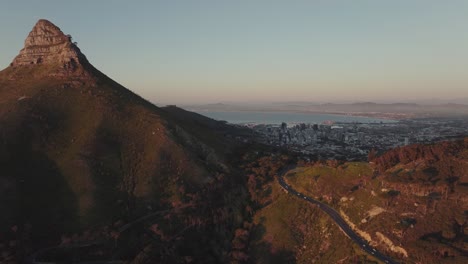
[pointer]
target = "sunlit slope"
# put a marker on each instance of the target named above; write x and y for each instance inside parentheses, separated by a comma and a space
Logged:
(413, 210)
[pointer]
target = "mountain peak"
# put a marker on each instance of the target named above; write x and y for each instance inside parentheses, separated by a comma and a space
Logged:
(47, 44)
(45, 33)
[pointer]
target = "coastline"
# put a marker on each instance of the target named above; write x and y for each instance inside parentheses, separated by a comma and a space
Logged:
(277, 117)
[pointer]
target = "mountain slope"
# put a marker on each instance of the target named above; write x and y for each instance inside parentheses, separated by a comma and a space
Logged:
(79, 151)
(410, 204)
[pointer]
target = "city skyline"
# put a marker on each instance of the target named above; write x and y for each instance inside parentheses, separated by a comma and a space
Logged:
(263, 51)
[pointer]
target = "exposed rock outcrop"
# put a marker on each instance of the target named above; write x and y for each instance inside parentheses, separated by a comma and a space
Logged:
(47, 44)
(390, 244)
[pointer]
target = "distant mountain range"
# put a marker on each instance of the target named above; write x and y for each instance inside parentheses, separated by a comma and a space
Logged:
(436, 101)
(385, 110)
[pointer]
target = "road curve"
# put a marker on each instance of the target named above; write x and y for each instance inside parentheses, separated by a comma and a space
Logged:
(362, 243)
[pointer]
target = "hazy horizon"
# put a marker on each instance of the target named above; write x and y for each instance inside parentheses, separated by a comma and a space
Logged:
(175, 52)
(427, 101)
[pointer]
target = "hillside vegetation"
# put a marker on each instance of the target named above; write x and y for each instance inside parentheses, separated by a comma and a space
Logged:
(411, 206)
(82, 157)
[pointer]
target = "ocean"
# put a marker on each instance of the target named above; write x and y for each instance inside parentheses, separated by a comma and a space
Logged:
(242, 117)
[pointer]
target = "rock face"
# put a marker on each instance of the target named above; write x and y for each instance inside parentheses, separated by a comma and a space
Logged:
(47, 44)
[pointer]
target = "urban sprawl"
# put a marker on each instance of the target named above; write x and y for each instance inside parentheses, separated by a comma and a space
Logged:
(353, 141)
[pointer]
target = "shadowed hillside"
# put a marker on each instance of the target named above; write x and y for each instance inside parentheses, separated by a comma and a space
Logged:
(81, 156)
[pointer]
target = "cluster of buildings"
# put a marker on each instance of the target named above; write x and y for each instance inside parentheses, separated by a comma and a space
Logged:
(353, 141)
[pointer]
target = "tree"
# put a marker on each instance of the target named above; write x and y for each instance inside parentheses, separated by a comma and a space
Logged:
(372, 155)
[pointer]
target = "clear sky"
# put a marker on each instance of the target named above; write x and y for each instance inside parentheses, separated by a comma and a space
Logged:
(200, 51)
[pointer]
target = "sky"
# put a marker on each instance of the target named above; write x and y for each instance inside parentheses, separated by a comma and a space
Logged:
(191, 52)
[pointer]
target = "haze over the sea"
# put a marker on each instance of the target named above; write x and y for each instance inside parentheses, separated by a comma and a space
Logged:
(288, 117)
(179, 52)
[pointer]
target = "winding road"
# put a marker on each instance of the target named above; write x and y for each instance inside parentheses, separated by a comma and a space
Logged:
(362, 243)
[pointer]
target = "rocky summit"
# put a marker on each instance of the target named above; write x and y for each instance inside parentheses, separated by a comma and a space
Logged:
(47, 44)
